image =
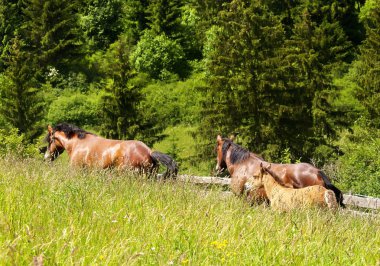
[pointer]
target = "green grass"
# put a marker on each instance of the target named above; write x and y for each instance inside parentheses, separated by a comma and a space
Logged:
(79, 217)
(182, 147)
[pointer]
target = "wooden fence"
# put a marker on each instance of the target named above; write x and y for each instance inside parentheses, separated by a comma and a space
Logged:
(348, 199)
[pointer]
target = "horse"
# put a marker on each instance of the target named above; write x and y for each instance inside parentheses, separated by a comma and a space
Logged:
(244, 165)
(86, 149)
(286, 199)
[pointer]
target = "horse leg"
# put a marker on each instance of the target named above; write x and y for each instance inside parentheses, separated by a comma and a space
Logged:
(237, 185)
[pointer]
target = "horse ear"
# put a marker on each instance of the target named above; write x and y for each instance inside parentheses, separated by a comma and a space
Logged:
(50, 129)
(233, 136)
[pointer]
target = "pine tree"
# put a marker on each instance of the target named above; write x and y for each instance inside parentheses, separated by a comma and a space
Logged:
(318, 48)
(241, 60)
(164, 17)
(121, 96)
(367, 67)
(136, 18)
(52, 32)
(22, 104)
(10, 21)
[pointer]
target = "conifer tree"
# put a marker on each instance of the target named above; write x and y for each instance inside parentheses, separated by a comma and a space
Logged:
(51, 30)
(241, 60)
(367, 67)
(10, 21)
(121, 96)
(22, 104)
(317, 48)
(136, 18)
(164, 16)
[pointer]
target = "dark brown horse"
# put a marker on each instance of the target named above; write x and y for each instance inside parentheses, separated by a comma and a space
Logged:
(85, 149)
(244, 165)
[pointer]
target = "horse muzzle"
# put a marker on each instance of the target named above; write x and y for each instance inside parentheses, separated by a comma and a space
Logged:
(48, 156)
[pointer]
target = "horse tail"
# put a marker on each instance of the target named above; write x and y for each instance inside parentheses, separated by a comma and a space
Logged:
(330, 199)
(171, 165)
(337, 192)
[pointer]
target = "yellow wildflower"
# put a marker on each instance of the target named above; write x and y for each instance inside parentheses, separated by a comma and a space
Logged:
(219, 244)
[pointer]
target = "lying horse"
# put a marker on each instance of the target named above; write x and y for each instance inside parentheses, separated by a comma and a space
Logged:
(285, 199)
(85, 149)
(243, 165)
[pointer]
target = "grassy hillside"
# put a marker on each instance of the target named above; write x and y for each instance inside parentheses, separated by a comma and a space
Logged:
(182, 147)
(58, 215)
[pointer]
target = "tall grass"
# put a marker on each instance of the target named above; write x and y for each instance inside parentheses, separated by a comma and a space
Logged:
(58, 215)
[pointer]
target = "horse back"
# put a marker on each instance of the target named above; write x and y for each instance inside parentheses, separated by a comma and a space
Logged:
(107, 153)
(297, 175)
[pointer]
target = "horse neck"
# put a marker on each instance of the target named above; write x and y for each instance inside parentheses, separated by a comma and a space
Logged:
(269, 184)
(230, 166)
(252, 156)
(68, 144)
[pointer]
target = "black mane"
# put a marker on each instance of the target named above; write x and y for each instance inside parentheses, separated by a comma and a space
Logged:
(238, 153)
(70, 131)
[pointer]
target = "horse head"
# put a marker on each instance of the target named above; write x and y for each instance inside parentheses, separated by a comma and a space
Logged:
(54, 148)
(220, 160)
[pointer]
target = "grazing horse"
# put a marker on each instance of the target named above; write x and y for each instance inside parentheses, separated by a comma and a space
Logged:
(244, 165)
(286, 199)
(85, 149)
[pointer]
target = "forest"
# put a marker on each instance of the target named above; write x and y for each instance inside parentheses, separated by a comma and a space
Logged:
(293, 80)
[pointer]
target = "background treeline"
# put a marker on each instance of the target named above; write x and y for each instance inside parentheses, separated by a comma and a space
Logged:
(297, 80)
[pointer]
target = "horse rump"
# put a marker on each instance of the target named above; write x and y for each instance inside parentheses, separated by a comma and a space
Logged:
(337, 192)
(170, 164)
(330, 199)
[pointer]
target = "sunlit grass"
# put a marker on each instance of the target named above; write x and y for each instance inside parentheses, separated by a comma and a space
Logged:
(65, 216)
(180, 142)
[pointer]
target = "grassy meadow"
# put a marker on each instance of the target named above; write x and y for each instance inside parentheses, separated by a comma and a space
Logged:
(52, 214)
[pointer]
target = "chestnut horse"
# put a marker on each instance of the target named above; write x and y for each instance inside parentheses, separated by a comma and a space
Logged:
(85, 149)
(244, 165)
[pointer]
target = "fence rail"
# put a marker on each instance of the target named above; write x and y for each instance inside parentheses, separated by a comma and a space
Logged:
(348, 199)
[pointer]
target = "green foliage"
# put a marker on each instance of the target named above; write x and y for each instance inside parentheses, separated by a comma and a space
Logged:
(160, 57)
(10, 21)
(180, 143)
(317, 48)
(102, 22)
(279, 73)
(173, 111)
(176, 102)
(359, 166)
(242, 59)
(121, 93)
(22, 104)
(12, 144)
(206, 12)
(76, 108)
(366, 70)
(189, 39)
(51, 31)
(136, 18)
(164, 17)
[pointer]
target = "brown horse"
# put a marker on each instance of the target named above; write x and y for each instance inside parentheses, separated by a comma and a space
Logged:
(285, 198)
(244, 165)
(85, 149)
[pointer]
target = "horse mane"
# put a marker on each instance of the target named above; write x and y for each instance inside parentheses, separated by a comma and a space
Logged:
(71, 130)
(238, 153)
